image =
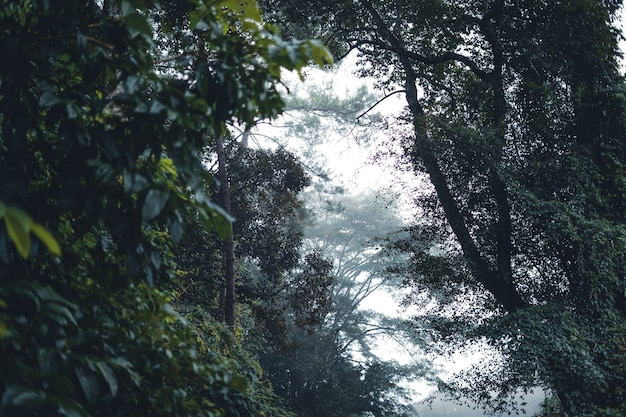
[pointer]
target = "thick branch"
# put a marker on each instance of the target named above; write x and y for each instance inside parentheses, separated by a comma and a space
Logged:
(429, 60)
(502, 227)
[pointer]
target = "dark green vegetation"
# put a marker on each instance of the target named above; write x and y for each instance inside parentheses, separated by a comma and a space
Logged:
(106, 111)
(120, 175)
(515, 113)
(119, 178)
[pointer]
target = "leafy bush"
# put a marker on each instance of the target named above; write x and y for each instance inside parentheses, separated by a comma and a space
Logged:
(105, 108)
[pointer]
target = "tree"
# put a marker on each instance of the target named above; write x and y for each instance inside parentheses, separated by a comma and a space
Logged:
(274, 274)
(517, 118)
(319, 366)
(350, 232)
(332, 369)
(105, 109)
(228, 248)
(320, 119)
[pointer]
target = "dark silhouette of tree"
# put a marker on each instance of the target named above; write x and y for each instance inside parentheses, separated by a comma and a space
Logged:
(516, 115)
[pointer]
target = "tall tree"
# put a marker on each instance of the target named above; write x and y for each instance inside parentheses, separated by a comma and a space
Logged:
(517, 117)
(272, 270)
(350, 232)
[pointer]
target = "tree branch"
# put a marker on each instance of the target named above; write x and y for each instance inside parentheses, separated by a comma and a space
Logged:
(379, 101)
(429, 60)
(105, 45)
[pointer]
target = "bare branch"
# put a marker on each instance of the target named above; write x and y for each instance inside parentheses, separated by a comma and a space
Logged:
(378, 102)
(105, 45)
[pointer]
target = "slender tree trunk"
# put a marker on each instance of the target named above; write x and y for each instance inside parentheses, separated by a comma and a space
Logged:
(245, 139)
(222, 302)
(228, 250)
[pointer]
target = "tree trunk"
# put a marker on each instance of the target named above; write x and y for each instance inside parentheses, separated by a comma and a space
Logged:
(498, 281)
(228, 250)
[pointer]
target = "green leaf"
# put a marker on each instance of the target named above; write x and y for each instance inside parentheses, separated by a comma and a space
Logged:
(60, 384)
(125, 364)
(175, 227)
(201, 26)
(109, 376)
(128, 9)
(167, 165)
(246, 9)
(17, 224)
(47, 239)
(71, 112)
(71, 408)
(195, 21)
(154, 203)
(22, 397)
(238, 383)
(320, 54)
(157, 107)
(138, 26)
(134, 182)
(103, 171)
(88, 383)
(132, 84)
(169, 309)
(48, 99)
(215, 218)
(60, 313)
(30, 289)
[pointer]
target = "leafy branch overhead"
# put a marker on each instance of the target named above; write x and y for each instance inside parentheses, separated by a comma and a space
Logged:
(19, 224)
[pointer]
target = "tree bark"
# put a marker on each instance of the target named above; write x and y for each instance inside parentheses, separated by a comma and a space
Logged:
(228, 248)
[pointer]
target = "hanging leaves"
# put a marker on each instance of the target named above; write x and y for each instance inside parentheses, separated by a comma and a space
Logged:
(19, 225)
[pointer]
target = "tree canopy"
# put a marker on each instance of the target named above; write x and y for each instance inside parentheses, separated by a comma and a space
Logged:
(331, 368)
(516, 115)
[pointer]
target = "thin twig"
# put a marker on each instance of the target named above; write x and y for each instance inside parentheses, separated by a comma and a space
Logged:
(174, 58)
(378, 102)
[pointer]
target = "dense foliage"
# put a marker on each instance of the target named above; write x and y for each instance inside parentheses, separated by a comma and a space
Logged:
(110, 113)
(272, 274)
(515, 113)
(105, 109)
